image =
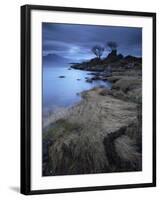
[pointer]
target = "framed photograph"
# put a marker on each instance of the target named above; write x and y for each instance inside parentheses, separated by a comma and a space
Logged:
(88, 99)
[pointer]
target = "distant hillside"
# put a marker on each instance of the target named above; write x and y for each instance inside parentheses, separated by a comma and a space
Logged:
(54, 59)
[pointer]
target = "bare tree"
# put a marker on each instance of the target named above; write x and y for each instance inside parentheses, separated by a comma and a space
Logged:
(112, 45)
(98, 50)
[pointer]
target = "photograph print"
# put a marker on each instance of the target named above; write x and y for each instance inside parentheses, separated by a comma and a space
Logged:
(92, 99)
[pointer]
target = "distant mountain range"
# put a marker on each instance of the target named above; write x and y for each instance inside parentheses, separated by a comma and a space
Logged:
(54, 59)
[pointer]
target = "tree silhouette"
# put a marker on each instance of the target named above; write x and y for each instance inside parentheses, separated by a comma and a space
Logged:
(98, 50)
(112, 45)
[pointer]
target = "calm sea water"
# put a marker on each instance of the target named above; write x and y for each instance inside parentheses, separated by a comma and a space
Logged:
(63, 92)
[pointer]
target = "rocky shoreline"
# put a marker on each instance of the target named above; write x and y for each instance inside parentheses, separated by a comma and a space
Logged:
(103, 133)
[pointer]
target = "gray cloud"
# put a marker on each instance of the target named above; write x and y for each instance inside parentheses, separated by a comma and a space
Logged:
(75, 41)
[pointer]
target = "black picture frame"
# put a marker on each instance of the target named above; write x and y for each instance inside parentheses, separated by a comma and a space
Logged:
(26, 98)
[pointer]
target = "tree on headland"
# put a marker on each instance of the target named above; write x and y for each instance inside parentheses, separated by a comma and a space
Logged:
(98, 50)
(112, 45)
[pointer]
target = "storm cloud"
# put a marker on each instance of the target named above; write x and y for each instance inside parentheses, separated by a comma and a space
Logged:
(75, 42)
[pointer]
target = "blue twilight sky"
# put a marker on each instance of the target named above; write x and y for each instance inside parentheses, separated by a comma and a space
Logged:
(75, 42)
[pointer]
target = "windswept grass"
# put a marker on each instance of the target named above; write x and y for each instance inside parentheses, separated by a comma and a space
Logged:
(77, 143)
(60, 128)
(73, 151)
(126, 151)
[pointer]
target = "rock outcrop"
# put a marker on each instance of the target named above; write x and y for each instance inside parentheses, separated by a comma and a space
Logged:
(113, 60)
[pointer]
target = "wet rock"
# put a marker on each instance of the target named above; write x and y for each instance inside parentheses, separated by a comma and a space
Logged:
(89, 80)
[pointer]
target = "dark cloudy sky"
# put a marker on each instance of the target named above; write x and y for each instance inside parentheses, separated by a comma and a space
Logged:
(75, 41)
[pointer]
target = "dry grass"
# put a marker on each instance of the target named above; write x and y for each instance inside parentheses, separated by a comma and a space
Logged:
(126, 150)
(126, 84)
(74, 151)
(78, 137)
